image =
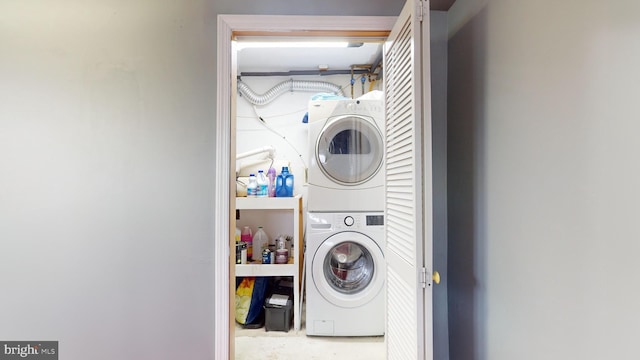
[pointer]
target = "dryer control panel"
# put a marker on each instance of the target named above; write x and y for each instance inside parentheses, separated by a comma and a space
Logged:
(359, 107)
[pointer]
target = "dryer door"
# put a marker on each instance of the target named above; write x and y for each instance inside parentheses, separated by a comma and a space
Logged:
(350, 149)
(348, 269)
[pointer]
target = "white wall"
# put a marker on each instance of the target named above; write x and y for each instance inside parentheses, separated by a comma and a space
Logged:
(543, 179)
(285, 132)
(106, 180)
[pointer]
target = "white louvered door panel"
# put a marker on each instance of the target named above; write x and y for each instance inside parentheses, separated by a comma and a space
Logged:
(407, 335)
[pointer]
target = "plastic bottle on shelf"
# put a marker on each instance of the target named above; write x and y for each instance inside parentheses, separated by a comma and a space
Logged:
(282, 256)
(241, 250)
(252, 188)
(241, 253)
(247, 237)
(284, 183)
(263, 184)
(260, 242)
(273, 244)
(271, 176)
(288, 184)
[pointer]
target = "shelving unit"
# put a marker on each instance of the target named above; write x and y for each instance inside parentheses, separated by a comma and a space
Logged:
(294, 267)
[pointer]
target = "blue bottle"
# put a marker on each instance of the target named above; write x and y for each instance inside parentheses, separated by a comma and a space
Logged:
(284, 183)
(288, 183)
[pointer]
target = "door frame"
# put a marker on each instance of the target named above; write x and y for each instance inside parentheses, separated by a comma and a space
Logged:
(228, 25)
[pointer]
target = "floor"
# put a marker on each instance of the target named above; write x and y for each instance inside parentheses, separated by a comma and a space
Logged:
(252, 344)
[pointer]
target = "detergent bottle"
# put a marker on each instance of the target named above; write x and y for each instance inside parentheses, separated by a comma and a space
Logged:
(247, 237)
(284, 183)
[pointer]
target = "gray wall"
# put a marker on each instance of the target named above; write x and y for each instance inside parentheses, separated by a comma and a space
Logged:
(106, 177)
(107, 112)
(543, 179)
(439, 36)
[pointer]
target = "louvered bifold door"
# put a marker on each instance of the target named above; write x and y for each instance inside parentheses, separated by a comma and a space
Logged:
(403, 76)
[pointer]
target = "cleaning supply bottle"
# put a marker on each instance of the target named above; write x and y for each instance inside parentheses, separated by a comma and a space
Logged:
(288, 183)
(252, 188)
(260, 242)
(271, 176)
(240, 255)
(284, 183)
(262, 184)
(247, 237)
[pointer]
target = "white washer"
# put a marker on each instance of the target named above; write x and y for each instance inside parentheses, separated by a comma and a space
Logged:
(346, 139)
(345, 274)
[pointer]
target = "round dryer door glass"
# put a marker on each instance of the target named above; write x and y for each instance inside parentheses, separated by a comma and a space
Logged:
(348, 267)
(349, 149)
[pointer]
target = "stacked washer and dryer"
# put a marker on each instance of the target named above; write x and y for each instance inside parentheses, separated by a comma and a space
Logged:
(345, 268)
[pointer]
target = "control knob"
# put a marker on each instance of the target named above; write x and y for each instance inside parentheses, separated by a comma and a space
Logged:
(349, 221)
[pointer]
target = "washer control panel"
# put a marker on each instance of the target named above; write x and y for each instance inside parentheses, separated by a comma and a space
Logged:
(354, 221)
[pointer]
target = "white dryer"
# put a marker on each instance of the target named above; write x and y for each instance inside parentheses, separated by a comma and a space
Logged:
(346, 139)
(345, 274)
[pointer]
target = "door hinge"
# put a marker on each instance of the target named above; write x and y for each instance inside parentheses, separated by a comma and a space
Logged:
(420, 10)
(423, 277)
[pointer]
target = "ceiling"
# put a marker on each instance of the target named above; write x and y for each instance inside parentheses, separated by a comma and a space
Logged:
(307, 59)
(297, 61)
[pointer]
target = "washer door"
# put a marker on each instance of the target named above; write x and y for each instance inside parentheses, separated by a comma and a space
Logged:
(348, 269)
(349, 149)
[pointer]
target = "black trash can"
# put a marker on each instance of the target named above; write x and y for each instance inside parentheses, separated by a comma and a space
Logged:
(278, 310)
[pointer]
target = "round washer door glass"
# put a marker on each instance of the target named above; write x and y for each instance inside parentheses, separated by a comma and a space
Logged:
(349, 149)
(348, 269)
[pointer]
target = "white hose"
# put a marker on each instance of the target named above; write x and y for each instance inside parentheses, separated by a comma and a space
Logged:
(285, 86)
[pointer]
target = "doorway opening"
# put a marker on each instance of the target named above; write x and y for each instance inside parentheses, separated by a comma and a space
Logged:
(231, 27)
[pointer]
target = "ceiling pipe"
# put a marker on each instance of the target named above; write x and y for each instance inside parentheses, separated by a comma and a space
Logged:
(302, 73)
